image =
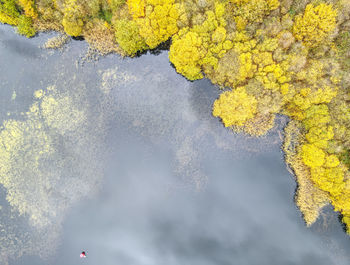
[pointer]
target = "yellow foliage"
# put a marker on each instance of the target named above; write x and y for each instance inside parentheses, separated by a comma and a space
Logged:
(199, 48)
(235, 107)
(25, 26)
(247, 68)
(309, 198)
(275, 64)
(341, 202)
(268, 45)
(128, 37)
(312, 156)
(185, 53)
(253, 10)
(308, 97)
(328, 179)
(6, 19)
(331, 161)
(73, 19)
(319, 136)
(29, 8)
(73, 26)
(272, 76)
(157, 20)
(316, 115)
(220, 9)
(312, 73)
(263, 58)
(219, 35)
(315, 25)
(9, 13)
(136, 8)
(302, 105)
(241, 23)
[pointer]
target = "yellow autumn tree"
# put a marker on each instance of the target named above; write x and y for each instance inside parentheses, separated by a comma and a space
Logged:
(9, 12)
(312, 156)
(250, 11)
(29, 8)
(319, 136)
(328, 179)
(186, 52)
(235, 107)
(136, 8)
(73, 18)
(331, 161)
(157, 19)
(128, 37)
(25, 26)
(199, 48)
(316, 115)
(315, 25)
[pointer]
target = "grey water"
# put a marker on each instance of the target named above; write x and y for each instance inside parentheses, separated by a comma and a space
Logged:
(178, 188)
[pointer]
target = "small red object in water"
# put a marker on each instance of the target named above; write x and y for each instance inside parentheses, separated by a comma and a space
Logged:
(83, 255)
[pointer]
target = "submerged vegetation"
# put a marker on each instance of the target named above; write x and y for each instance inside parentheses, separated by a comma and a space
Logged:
(289, 57)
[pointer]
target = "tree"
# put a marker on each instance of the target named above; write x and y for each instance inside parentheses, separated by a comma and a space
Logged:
(235, 107)
(315, 25)
(128, 37)
(9, 12)
(185, 53)
(312, 156)
(25, 26)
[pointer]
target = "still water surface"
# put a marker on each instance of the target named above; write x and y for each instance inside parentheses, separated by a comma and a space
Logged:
(177, 187)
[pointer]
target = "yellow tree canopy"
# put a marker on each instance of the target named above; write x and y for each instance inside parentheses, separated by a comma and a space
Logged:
(315, 25)
(235, 107)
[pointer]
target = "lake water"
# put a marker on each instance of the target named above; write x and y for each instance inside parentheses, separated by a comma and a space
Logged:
(162, 181)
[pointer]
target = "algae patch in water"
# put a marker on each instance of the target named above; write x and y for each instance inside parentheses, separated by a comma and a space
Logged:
(27, 144)
(49, 159)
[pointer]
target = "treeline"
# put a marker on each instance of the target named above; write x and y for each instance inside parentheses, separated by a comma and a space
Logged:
(271, 56)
